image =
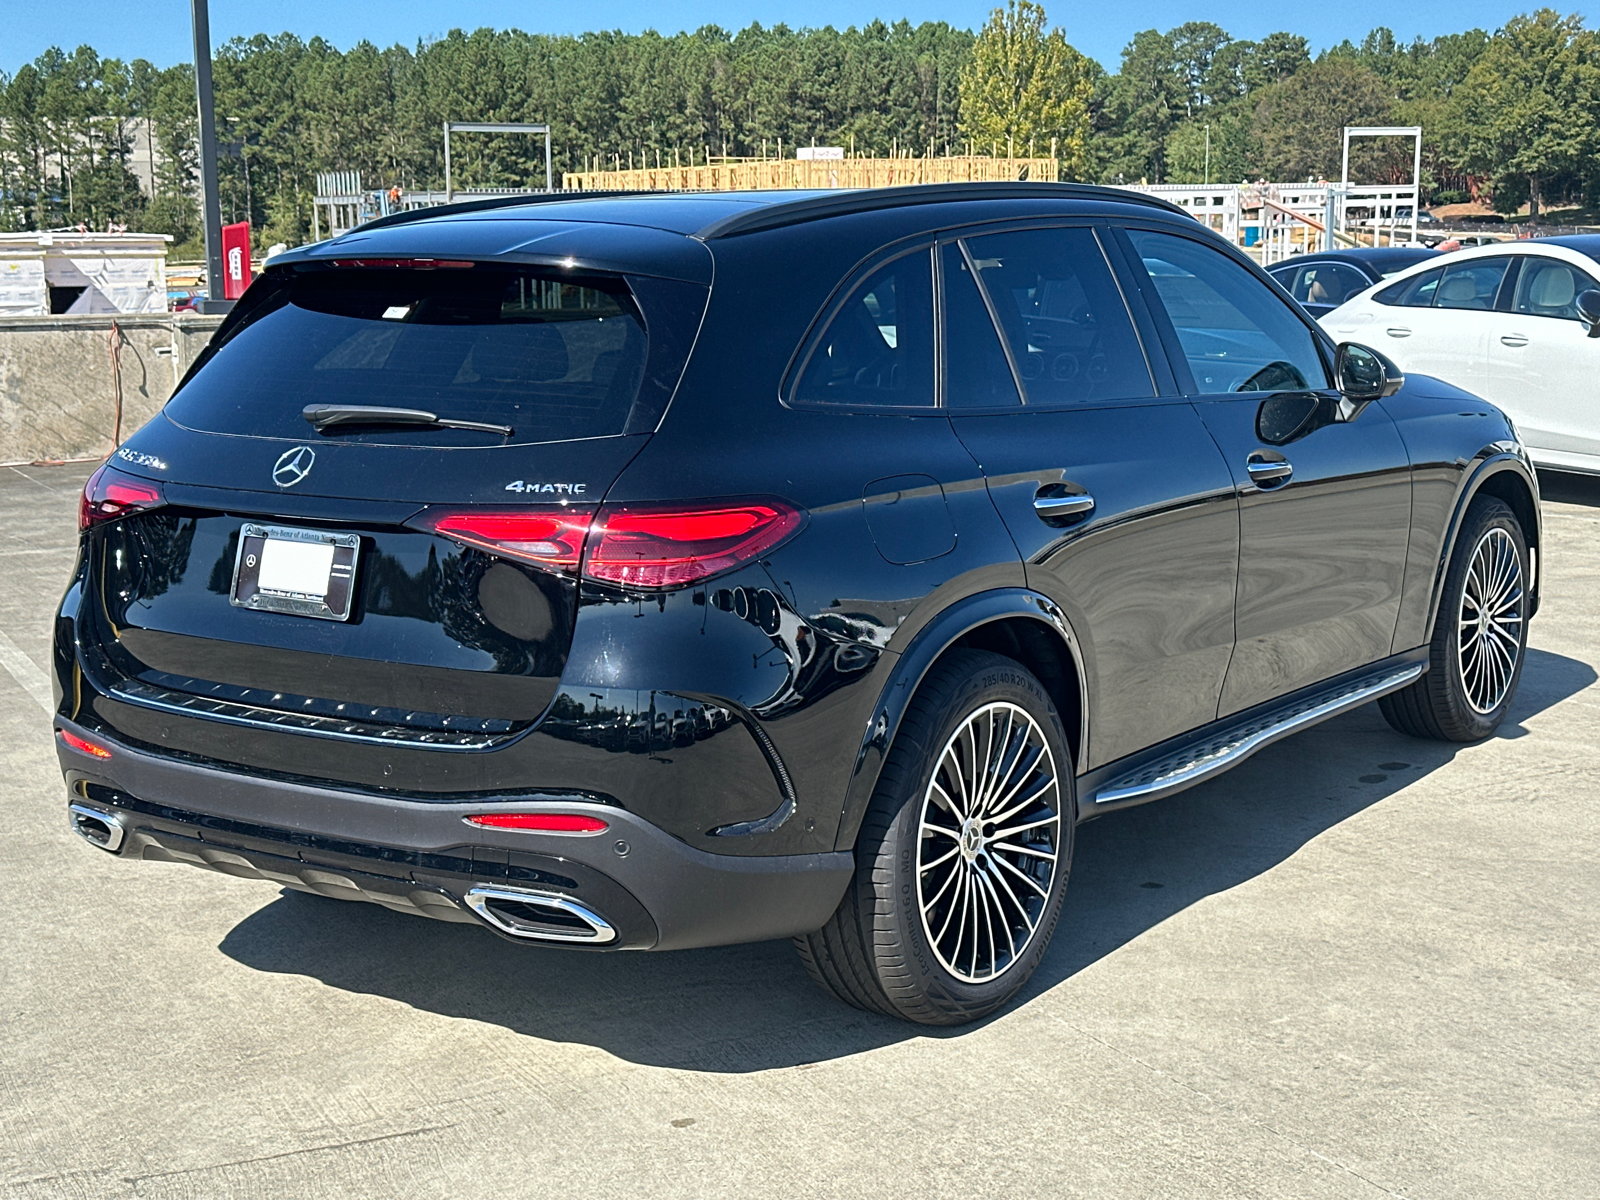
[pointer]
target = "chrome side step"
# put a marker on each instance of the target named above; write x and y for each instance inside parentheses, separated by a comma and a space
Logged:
(539, 916)
(1232, 746)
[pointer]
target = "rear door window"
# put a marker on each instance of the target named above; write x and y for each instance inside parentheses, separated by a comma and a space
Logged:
(1237, 334)
(1328, 283)
(877, 348)
(552, 357)
(1063, 316)
(1472, 284)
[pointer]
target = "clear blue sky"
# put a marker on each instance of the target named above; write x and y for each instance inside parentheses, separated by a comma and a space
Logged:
(159, 29)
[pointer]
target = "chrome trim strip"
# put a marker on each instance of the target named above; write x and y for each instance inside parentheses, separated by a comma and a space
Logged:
(488, 742)
(478, 899)
(1187, 774)
(77, 812)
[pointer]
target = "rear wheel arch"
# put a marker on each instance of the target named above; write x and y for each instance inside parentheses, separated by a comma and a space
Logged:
(1021, 624)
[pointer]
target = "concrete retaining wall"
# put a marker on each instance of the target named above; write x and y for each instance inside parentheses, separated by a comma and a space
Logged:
(57, 395)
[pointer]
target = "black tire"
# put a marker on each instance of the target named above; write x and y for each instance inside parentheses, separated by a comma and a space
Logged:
(1456, 703)
(880, 951)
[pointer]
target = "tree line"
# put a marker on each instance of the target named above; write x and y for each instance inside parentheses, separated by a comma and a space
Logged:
(1514, 113)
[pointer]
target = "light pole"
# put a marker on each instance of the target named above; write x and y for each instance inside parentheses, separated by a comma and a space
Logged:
(210, 199)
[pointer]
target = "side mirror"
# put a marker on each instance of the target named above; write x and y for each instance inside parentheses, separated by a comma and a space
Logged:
(1364, 375)
(1589, 311)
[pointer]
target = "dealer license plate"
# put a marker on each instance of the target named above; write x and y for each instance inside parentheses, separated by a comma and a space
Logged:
(307, 572)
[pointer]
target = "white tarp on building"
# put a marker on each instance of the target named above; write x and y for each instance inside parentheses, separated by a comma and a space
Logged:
(43, 273)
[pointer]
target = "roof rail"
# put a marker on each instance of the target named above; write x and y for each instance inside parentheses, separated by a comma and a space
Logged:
(813, 207)
(488, 203)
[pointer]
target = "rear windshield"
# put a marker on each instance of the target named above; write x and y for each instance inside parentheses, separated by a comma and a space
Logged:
(554, 358)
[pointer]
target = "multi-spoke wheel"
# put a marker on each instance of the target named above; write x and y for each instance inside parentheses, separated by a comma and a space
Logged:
(1479, 636)
(963, 854)
(1490, 626)
(987, 840)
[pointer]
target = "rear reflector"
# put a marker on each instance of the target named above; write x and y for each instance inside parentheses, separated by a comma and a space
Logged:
(668, 546)
(110, 494)
(541, 822)
(83, 744)
(548, 539)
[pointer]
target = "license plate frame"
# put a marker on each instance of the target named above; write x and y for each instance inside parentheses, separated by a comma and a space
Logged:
(337, 599)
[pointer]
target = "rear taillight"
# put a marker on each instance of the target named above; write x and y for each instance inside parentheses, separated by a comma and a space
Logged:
(668, 546)
(649, 546)
(540, 822)
(552, 539)
(110, 494)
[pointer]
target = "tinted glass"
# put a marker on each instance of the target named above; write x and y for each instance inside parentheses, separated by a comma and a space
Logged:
(1236, 333)
(552, 358)
(1549, 287)
(1063, 316)
(976, 373)
(1416, 292)
(1471, 284)
(878, 347)
(1328, 283)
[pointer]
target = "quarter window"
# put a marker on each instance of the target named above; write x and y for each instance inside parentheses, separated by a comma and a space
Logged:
(1549, 287)
(1062, 315)
(877, 349)
(1415, 292)
(1237, 335)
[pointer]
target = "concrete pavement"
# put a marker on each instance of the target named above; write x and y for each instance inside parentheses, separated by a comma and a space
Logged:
(1357, 966)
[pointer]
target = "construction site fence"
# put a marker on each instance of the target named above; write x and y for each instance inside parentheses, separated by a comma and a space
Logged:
(772, 173)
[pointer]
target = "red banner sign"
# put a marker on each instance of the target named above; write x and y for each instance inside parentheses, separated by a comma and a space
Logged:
(235, 260)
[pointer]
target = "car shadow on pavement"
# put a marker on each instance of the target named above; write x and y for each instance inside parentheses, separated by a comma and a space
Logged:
(749, 1008)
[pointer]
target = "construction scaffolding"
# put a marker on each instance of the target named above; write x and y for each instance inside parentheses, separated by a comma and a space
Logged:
(766, 174)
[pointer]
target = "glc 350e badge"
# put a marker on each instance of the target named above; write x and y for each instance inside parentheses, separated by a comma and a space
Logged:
(293, 466)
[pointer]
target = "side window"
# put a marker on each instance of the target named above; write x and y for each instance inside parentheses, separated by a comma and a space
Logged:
(1062, 315)
(1549, 287)
(976, 373)
(1289, 277)
(1328, 283)
(878, 347)
(1415, 292)
(1472, 284)
(1236, 334)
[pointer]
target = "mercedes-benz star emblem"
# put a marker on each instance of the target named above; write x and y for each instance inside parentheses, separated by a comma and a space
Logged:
(293, 466)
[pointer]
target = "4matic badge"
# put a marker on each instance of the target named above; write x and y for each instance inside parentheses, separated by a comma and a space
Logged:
(547, 489)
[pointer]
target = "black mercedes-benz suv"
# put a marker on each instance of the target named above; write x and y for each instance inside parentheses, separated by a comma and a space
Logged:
(649, 572)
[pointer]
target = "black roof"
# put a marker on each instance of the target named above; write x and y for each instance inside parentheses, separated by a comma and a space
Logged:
(1583, 243)
(708, 215)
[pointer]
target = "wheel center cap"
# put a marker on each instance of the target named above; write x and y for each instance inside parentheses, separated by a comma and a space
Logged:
(971, 839)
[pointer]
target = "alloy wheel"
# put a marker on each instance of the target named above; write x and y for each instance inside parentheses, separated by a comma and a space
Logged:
(1490, 628)
(989, 834)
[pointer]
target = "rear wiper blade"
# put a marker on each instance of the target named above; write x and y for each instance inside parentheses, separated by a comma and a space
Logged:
(327, 416)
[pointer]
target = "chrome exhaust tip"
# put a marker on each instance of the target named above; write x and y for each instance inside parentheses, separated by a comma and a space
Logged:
(539, 916)
(96, 826)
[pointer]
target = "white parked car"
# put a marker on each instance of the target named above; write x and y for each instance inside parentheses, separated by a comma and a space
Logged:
(1517, 323)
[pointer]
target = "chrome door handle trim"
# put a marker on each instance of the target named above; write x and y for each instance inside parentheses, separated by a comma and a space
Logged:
(1398, 331)
(1063, 506)
(1268, 472)
(1513, 339)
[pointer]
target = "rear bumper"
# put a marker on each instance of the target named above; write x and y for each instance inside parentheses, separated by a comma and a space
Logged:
(650, 888)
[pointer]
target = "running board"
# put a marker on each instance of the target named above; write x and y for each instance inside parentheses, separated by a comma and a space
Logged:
(1233, 745)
